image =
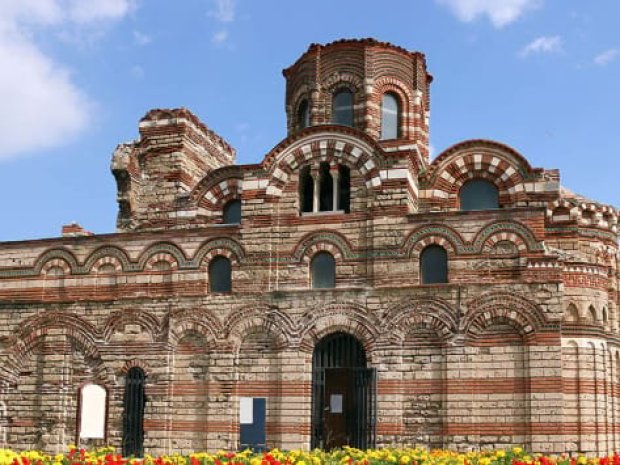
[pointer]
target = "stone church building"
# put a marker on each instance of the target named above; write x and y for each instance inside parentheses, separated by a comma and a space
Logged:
(347, 289)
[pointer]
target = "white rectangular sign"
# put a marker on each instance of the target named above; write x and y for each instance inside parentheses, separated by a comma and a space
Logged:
(246, 410)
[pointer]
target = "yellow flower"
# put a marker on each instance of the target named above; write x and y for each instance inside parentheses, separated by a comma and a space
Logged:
(582, 460)
(405, 459)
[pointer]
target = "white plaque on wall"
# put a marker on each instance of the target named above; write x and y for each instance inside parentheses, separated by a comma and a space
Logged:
(246, 410)
(93, 412)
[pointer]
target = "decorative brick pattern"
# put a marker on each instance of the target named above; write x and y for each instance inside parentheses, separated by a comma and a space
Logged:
(522, 346)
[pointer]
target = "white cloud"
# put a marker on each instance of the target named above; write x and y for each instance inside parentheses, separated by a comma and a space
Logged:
(46, 107)
(81, 11)
(219, 37)
(499, 12)
(606, 57)
(543, 44)
(137, 71)
(141, 38)
(224, 11)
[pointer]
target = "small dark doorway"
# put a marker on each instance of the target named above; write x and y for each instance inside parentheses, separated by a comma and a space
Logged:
(133, 413)
(343, 394)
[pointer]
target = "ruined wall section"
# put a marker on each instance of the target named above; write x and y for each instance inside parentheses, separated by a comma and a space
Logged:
(156, 173)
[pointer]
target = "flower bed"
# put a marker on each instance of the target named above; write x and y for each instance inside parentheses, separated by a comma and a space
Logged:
(346, 456)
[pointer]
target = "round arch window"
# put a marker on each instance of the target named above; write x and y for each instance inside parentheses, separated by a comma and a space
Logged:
(479, 194)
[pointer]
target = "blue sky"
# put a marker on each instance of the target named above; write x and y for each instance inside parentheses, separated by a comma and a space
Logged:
(542, 76)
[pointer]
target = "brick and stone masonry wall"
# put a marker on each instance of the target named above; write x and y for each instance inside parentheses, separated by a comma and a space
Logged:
(521, 346)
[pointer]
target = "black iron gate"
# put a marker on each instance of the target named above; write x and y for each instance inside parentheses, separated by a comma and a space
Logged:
(341, 355)
(133, 413)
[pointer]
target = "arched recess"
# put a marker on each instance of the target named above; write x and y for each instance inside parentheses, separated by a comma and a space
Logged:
(46, 346)
(571, 315)
(107, 255)
(419, 331)
(482, 159)
(258, 368)
(335, 145)
(436, 234)
(132, 325)
(423, 356)
(509, 306)
(215, 246)
(167, 251)
(325, 240)
(195, 390)
(573, 401)
(514, 231)
(64, 255)
(272, 320)
(193, 321)
(4, 425)
(217, 187)
(498, 384)
(347, 317)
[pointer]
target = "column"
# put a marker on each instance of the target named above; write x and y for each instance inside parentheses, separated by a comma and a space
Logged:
(336, 187)
(316, 179)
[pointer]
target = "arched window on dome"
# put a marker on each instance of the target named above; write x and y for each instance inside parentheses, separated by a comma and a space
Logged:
(479, 194)
(231, 212)
(303, 114)
(323, 271)
(342, 107)
(220, 274)
(434, 265)
(390, 117)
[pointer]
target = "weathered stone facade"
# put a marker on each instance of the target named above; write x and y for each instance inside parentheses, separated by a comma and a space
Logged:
(520, 346)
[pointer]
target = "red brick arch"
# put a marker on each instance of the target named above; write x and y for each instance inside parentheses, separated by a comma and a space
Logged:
(477, 159)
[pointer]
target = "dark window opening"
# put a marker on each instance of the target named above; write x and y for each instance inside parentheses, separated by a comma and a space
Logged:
(306, 190)
(220, 274)
(232, 212)
(345, 189)
(323, 270)
(390, 117)
(133, 413)
(342, 107)
(434, 265)
(303, 115)
(326, 188)
(333, 185)
(479, 194)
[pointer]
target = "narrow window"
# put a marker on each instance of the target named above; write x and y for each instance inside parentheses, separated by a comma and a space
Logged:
(92, 411)
(303, 115)
(434, 265)
(342, 107)
(133, 413)
(344, 202)
(326, 188)
(220, 274)
(479, 194)
(390, 117)
(232, 212)
(306, 190)
(323, 270)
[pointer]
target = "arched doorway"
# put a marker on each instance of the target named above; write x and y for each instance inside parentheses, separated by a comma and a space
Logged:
(343, 394)
(133, 413)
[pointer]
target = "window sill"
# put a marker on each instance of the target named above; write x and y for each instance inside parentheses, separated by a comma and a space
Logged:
(323, 213)
(223, 225)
